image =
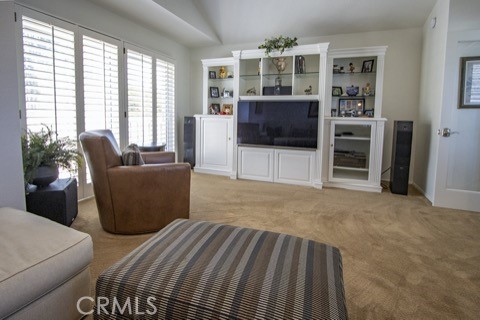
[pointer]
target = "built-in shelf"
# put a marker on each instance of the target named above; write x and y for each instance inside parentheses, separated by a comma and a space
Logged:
(250, 76)
(351, 169)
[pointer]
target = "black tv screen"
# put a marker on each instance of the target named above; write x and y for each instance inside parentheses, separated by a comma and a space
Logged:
(278, 123)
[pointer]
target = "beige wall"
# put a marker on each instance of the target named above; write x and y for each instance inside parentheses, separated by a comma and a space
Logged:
(402, 73)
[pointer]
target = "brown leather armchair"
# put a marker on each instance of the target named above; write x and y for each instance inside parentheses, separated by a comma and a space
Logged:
(135, 199)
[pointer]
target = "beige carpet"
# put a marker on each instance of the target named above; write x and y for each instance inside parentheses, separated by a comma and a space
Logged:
(403, 259)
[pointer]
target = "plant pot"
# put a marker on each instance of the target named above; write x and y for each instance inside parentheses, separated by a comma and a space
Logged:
(43, 176)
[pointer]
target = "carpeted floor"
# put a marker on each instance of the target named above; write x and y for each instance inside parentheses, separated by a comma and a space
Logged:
(403, 258)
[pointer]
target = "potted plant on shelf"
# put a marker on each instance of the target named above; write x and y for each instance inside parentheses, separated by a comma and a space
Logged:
(43, 154)
(279, 44)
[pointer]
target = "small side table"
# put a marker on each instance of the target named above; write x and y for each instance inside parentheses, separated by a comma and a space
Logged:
(57, 202)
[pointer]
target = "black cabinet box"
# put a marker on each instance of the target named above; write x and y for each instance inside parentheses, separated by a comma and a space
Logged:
(57, 202)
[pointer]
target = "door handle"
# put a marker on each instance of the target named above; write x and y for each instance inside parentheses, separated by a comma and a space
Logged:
(446, 132)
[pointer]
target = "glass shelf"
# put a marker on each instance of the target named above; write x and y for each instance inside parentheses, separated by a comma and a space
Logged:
(306, 75)
(272, 76)
(354, 73)
(220, 79)
(249, 76)
(351, 169)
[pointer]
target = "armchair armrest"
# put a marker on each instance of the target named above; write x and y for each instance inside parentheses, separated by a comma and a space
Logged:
(157, 193)
(158, 157)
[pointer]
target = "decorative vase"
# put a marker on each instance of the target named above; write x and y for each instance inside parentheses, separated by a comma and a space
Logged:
(43, 176)
(280, 64)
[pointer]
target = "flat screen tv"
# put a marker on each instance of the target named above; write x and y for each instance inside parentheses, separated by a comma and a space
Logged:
(278, 123)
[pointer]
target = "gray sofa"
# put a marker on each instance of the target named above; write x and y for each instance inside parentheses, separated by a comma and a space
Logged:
(44, 267)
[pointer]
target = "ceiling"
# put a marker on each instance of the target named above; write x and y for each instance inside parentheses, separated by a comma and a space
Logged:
(198, 23)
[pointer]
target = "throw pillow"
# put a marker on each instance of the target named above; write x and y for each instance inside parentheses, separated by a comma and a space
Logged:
(131, 156)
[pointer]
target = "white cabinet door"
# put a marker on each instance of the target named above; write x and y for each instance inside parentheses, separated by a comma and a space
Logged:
(294, 166)
(215, 144)
(355, 154)
(255, 163)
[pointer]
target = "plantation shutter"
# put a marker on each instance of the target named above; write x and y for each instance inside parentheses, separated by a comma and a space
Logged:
(140, 97)
(100, 77)
(166, 104)
(49, 64)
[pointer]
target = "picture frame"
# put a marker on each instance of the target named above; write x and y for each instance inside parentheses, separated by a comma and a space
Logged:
(214, 108)
(351, 106)
(333, 112)
(337, 91)
(367, 66)
(212, 75)
(469, 83)
(214, 93)
(313, 110)
(227, 109)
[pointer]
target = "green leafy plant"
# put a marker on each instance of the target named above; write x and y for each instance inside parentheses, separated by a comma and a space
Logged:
(279, 43)
(45, 149)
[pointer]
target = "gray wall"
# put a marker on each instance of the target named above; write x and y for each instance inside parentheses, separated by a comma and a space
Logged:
(401, 82)
(11, 172)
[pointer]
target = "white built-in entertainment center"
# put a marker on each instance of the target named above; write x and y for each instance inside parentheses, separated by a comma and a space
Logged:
(309, 116)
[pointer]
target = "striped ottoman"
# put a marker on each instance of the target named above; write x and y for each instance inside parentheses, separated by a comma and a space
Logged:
(201, 270)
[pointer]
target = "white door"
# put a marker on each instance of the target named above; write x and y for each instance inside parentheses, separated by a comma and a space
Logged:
(458, 168)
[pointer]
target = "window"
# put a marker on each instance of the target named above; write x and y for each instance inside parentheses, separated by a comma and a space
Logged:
(49, 64)
(166, 104)
(140, 98)
(100, 78)
(61, 58)
(49, 72)
(151, 100)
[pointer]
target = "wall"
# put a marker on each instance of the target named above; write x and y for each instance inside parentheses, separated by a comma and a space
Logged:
(12, 192)
(94, 17)
(402, 73)
(431, 88)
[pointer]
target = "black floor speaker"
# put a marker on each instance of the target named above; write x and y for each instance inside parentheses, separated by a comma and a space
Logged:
(401, 152)
(189, 140)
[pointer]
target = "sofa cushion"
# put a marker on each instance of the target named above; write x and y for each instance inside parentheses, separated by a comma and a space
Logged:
(37, 256)
(131, 156)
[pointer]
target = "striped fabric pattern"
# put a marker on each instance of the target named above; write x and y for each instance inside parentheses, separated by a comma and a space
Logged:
(131, 156)
(203, 270)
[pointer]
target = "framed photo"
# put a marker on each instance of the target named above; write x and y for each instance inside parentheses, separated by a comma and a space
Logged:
(214, 93)
(313, 110)
(469, 95)
(214, 108)
(367, 66)
(351, 106)
(212, 75)
(337, 91)
(333, 112)
(227, 109)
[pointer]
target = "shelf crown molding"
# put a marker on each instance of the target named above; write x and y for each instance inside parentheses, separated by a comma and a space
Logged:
(358, 52)
(301, 49)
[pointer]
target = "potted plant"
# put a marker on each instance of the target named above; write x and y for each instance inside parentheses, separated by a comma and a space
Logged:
(279, 43)
(43, 153)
